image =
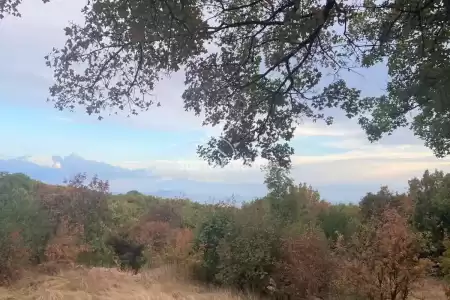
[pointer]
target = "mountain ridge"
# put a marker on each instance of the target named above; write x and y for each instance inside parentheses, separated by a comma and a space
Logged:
(55, 169)
(122, 180)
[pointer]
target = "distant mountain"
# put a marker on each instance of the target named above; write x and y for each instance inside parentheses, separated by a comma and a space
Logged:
(65, 167)
(56, 169)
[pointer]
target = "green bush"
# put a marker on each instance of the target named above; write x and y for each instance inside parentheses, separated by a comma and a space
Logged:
(338, 220)
(24, 231)
(249, 250)
(208, 237)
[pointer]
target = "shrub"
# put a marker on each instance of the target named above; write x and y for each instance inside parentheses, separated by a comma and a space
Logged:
(23, 232)
(66, 244)
(208, 237)
(382, 260)
(79, 216)
(180, 246)
(306, 268)
(248, 251)
(445, 260)
(165, 211)
(153, 234)
(339, 220)
(129, 253)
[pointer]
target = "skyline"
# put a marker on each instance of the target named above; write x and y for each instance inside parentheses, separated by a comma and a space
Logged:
(164, 139)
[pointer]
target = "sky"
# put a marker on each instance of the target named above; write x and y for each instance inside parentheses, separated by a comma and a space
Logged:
(165, 139)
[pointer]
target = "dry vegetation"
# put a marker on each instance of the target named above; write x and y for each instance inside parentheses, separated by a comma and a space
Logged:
(290, 244)
(158, 284)
(105, 284)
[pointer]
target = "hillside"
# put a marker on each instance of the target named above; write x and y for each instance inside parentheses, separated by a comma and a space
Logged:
(289, 244)
(56, 169)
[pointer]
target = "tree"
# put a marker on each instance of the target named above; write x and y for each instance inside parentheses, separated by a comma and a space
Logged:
(260, 66)
(277, 180)
(373, 205)
(382, 260)
(431, 196)
(339, 220)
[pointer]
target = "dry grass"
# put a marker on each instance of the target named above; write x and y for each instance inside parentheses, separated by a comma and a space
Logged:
(103, 284)
(429, 289)
(158, 284)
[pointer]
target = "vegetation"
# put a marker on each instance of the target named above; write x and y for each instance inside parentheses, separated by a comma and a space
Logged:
(289, 244)
(259, 67)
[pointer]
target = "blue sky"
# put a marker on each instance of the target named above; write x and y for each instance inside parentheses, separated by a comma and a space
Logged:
(45, 131)
(165, 139)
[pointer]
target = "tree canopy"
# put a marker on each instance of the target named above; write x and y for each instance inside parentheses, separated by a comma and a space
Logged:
(259, 67)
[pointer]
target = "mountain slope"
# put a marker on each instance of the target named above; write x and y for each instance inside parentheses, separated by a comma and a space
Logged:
(56, 169)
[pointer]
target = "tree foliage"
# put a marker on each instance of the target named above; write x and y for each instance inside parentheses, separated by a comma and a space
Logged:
(260, 67)
(373, 205)
(431, 196)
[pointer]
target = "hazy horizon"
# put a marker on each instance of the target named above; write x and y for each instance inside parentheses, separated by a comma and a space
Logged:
(164, 140)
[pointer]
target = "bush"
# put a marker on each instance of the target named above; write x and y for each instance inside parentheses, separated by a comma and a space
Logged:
(66, 244)
(445, 260)
(23, 232)
(208, 237)
(79, 216)
(306, 268)
(248, 252)
(129, 253)
(382, 262)
(181, 243)
(338, 220)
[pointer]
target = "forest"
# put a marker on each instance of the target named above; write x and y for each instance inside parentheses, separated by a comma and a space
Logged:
(290, 244)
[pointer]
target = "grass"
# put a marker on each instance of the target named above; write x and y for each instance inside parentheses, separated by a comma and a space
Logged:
(158, 284)
(105, 284)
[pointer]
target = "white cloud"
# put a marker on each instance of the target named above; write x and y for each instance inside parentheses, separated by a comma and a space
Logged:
(43, 161)
(197, 169)
(369, 153)
(384, 166)
(24, 43)
(377, 164)
(319, 129)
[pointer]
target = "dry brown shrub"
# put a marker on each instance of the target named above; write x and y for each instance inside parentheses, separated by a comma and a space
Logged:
(306, 268)
(180, 244)
(382, 261)
(66, 243)
(153, 234)
(14, 258)
(77, 203)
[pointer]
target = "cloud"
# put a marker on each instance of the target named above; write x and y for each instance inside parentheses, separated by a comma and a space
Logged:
(376, 165)
(368, 170)
(316, 129)
(196, 169)
(25, 42)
